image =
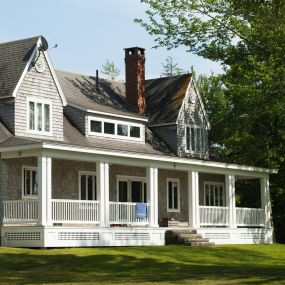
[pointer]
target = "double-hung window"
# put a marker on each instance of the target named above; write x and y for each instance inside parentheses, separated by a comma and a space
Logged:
(214, 194)
(88, 189)
(195, 139)
(39, 116)
(173, 195)
(30, 182)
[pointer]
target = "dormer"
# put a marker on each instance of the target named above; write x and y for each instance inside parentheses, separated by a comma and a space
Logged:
(33, 103)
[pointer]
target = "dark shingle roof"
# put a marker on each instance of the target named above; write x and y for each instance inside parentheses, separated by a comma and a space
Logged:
(164, 97)
(13, 59)
(81, 90)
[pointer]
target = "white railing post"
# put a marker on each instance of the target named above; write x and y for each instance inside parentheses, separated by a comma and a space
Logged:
(152, 195)
(265, 201)
(193, 199)
(44, 190)
(102, 176)
(231, 199)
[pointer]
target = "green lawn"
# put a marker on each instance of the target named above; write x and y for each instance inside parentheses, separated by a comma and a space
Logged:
(235, 264)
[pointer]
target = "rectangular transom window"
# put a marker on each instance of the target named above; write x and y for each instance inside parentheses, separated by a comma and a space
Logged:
(30, 182)
(39, 116)
(88, 187)
(113, 128)
(214, 194)
(173, 195)
(195, 139)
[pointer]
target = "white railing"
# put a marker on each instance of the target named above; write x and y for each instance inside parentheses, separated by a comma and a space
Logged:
(20, 211)
(125, 213)
(218, 216)
(250, 216)
(75, 211)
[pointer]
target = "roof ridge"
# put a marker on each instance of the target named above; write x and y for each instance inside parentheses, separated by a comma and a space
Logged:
(171, 76)
(26, 39)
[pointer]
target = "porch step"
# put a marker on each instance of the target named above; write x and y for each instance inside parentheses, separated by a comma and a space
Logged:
(190, 238)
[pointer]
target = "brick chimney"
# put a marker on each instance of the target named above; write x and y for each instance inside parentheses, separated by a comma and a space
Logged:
(135, 77)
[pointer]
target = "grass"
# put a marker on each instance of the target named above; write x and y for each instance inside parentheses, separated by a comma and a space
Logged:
(234, 264)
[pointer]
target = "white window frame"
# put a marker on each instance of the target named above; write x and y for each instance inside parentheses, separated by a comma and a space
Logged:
(176, 180)
(201, 141)
(129, 180)
(116, 123)
(31, 168)
(211, 183)
(43, 102)
(87, 173)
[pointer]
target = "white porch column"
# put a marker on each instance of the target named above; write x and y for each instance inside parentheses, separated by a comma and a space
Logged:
(102, 176)
(152, 197)
(265, 201)
(44, 191)
(231, 199)
(193, 199)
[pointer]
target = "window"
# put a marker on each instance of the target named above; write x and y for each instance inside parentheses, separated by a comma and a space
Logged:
(30, 182)
(122, 130)
(195, 139)
(87, 189)
(109, 128)
(173, 195)
(112, 128)
(96, 126)
(39, 116)
(132, 189)
(214, 194)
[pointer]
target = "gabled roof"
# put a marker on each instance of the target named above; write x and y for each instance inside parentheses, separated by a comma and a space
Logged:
(81, 91)
(164, 97)
(14, 57)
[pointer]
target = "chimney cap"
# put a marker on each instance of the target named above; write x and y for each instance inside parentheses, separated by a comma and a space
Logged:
(132, 48)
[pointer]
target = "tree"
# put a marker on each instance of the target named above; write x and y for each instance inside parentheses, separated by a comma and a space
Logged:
(248, 38)
(110, 70)
(170, 68)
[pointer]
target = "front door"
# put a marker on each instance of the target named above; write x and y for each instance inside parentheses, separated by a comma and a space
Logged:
(132, 190)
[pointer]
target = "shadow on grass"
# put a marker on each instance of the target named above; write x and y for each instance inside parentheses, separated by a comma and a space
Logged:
(169, 264)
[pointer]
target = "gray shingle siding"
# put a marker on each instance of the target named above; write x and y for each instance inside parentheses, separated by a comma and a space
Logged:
(42, 86)
(7, 114)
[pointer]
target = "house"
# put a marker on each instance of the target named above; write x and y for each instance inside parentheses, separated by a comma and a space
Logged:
(91, 162)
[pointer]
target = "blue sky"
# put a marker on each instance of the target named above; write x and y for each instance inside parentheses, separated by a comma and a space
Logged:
(90, 31)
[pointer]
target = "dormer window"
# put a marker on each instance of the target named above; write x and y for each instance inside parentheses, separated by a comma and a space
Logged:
(115, 129)
(39, 116)
(195, 142)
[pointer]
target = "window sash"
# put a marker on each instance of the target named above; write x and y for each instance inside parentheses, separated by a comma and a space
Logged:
(126, 191)
(30, 181)
(214, 194)
(173, 195)
(39, 116)
(88, 187)
(195, 139)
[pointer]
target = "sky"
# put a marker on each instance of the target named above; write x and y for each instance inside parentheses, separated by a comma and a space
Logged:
(88, 32)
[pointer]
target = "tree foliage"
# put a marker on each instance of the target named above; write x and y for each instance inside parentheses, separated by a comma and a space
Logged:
(246, 103)
(171, 68)
(110, 70)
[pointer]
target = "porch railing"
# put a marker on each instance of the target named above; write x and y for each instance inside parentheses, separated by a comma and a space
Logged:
(20, 211)
(75, 211)
(250, 216)
(217, 216)
(125, 213)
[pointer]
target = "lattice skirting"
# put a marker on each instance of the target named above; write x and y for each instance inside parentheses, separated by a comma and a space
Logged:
(79, 236)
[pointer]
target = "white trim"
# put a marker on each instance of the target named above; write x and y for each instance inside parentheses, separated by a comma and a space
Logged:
(95, 190)
(116, 123)
(176, 162)
(31, 168)
(130, 179)
(209, 183)
(43, 101)
(26, 69)
(61, 94)
(106, 114)
(172, 210)
(163, 125)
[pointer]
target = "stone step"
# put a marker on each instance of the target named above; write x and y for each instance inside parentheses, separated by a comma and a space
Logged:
(194, 240)
(187, 235)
